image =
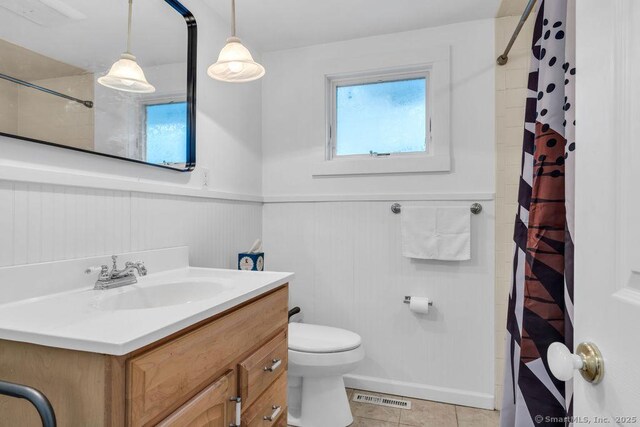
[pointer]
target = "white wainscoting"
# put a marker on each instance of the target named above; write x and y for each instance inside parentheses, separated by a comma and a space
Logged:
(42, 222)
(350, 273)
(346, 256)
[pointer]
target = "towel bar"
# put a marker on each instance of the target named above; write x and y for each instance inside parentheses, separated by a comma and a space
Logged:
(475, 208)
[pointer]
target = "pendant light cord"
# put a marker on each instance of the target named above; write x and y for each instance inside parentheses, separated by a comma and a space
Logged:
(233, 18)
(129, 27)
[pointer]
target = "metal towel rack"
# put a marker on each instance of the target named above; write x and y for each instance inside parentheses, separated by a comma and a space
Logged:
(475, 208)
(35, 397)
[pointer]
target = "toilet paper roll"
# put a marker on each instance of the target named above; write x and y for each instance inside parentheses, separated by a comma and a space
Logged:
(419, 305)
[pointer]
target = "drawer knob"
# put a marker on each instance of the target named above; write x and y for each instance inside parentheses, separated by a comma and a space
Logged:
(274, 414)
(275, 365)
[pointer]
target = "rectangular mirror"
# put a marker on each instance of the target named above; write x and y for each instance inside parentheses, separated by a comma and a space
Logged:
(56, 86)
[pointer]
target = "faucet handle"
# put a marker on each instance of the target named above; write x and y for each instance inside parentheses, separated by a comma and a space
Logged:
(131, 263)
(103, 270)
(142, 270)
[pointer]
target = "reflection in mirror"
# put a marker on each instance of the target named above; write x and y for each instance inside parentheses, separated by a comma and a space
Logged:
(52, 54)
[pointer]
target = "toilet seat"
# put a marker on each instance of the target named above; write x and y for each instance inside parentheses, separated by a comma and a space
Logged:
(308, 338)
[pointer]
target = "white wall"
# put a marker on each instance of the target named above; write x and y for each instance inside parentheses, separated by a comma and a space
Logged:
(350, 274)
(294, 112)
(228, 131)
(341, 239)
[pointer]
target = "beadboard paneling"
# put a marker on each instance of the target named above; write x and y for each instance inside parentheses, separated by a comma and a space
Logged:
(350, 273)
(40, 222)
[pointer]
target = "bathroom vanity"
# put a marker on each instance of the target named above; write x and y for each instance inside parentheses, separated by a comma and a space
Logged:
(204, 359)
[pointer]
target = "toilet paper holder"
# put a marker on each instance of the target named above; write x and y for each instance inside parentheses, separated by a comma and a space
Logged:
(407, 300)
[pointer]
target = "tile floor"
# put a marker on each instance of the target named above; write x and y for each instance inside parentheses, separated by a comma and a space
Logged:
(423, 413)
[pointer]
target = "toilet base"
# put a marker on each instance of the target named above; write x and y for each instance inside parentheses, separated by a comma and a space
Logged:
(318, 402)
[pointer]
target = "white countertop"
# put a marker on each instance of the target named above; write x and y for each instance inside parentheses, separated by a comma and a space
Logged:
(77, 319)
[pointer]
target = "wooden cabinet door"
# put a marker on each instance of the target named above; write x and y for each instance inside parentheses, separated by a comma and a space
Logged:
(212, 407)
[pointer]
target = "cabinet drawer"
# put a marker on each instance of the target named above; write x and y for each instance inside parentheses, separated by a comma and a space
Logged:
(267, 405)
(259, 370)
(211, 407)
(161, 380)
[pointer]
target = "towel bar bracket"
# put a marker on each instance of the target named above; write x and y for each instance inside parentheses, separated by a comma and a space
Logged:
(475, 208)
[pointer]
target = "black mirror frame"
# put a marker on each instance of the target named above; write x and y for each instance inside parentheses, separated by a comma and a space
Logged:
(192, 67)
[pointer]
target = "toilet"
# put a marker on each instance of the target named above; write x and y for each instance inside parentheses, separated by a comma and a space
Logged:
(318, 358)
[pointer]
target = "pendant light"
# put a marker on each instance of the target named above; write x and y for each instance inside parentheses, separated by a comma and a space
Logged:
(125, 74)
(235, 63)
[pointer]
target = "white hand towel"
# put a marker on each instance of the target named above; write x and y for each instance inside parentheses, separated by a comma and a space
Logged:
(442, 233)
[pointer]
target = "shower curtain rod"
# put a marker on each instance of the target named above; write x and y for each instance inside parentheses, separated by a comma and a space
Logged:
(504, 58)
(88, 104)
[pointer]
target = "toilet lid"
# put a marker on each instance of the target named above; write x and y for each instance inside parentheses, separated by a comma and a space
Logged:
(321, 339)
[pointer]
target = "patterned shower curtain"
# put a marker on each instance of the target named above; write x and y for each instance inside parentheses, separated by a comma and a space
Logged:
(541, 299)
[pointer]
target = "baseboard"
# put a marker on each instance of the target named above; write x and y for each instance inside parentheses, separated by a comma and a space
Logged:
(421, 391)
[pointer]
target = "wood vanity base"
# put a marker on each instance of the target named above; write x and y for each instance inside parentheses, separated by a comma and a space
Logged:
(186, 379)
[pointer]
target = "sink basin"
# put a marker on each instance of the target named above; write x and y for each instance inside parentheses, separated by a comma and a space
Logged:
(162, 295)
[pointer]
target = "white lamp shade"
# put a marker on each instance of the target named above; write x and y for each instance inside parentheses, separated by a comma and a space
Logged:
(235, 64)
(126, 75)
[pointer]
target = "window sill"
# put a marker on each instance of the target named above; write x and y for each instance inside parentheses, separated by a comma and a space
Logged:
(380, 166)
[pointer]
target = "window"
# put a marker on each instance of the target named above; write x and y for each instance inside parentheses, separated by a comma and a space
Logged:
(166, 132)
(380, 118)
(392, 120)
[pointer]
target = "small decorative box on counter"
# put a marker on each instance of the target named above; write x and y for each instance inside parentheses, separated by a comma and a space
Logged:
(251, 261)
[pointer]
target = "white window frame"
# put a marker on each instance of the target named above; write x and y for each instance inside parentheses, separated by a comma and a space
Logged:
(371, 78)
(435, 59)
(142, 116)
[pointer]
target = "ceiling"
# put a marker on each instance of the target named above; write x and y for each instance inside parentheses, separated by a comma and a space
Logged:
(96, 39)
(282, 24)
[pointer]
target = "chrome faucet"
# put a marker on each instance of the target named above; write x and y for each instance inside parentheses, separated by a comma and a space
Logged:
(115, 278)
